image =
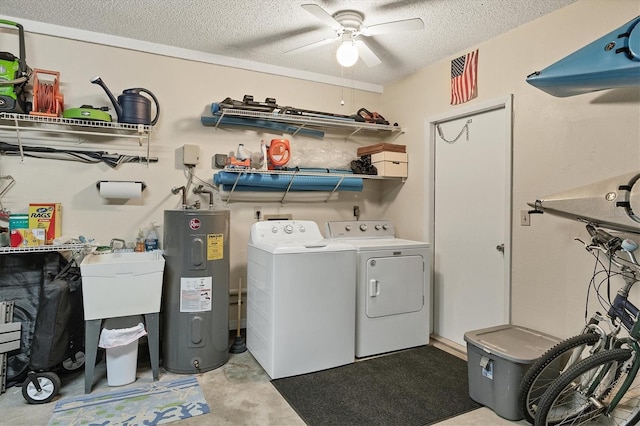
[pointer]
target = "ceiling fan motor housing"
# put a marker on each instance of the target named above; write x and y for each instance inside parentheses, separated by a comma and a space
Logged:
(351, 20)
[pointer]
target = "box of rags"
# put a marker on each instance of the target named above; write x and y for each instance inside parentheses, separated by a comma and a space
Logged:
(47, 216)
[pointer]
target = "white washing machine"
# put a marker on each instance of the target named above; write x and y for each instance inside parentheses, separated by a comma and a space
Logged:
(301, 299)
(393, 288)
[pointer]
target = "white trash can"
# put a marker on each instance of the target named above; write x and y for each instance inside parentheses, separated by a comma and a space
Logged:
(122, 353)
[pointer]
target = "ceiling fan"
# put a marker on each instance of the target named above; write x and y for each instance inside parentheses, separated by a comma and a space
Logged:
(348, 27)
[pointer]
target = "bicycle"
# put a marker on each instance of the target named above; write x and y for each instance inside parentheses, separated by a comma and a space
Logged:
(593, 338)
(604, 387)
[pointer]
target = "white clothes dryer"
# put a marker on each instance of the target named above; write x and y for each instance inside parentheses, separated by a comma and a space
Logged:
(300, 299)
(393, 286)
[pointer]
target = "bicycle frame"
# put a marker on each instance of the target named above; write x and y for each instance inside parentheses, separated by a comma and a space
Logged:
(624, 310)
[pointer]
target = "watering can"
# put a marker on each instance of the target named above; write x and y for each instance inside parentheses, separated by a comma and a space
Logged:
(131, 107)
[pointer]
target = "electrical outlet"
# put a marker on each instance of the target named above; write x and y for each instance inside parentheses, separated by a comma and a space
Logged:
(257, 212)
(356, 211)
(525, 219)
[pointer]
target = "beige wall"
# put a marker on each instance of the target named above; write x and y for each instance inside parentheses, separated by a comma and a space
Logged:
(184, 90)
(558, 144)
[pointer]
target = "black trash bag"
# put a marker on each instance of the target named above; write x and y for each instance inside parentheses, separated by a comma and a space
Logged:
(59, 328)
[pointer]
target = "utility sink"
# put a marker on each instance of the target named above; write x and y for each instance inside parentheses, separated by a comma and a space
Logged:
(121, 284)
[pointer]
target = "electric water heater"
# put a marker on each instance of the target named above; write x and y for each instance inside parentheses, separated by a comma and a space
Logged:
(195, 302)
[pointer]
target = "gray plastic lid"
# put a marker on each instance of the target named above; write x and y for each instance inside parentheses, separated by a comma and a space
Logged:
(514, 343)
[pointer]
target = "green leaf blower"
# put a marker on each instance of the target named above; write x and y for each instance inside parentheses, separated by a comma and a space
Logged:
(14, 76)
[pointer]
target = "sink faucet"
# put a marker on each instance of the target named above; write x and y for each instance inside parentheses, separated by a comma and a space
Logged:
(122, 242)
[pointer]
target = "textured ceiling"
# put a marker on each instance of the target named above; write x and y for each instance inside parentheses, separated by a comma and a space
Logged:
(261, 31)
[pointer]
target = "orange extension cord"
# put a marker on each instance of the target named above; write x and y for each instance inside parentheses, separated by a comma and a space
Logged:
(47, 100)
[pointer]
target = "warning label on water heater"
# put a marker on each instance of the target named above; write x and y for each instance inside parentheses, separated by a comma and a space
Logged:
(215, 246)
(195, 294)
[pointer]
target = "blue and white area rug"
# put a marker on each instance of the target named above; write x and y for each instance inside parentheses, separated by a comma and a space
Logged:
(157, 403)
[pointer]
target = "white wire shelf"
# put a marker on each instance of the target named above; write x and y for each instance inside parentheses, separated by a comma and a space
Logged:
(305, 173)
(38, 123)
(88, 124)
(304, 121)
(42, 249)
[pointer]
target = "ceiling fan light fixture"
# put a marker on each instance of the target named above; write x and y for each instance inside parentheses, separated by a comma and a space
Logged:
(347, 54)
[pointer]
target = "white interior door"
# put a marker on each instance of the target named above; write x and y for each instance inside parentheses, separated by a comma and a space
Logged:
(471, 201)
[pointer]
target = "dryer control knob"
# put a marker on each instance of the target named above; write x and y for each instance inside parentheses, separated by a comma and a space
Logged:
(363, 227)
(288, 229)
(385, 226)
(378, 227)
(348, 227)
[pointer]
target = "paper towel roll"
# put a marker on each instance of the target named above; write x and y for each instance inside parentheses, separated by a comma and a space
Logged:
(115, 189)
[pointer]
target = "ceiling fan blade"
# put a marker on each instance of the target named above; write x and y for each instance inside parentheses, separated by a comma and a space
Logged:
(367, 55)
(392, 27)
(322, 15)
(311, 46)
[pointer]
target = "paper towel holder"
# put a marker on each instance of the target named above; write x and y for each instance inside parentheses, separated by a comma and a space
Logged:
(142, 184)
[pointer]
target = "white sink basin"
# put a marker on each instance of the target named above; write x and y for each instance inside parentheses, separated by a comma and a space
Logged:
(121, 284)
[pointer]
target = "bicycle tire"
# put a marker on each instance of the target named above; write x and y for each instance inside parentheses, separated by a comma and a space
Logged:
(583, 393)
(547, 368)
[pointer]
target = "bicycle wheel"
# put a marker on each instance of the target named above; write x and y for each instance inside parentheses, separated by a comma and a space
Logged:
(584, 393)
(549, 366)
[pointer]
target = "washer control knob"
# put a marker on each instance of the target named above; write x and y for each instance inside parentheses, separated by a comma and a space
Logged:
(288, 229)
(363, 227)
(385, 226)
(348, 227)
(301, 228)
(378, 227)
(274, 230)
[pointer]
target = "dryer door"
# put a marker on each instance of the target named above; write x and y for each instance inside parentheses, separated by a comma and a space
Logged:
(394, 285)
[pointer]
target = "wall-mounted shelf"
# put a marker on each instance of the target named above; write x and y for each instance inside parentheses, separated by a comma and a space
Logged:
(300, 123)
(338, 178)
(25, 122)
(42, 249)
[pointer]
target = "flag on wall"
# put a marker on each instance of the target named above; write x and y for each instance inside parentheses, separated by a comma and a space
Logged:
(464, 73)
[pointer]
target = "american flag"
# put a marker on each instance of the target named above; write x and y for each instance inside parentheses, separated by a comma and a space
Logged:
(464, 73)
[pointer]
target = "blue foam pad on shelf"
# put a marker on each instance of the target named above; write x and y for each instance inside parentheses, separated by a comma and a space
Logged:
(280, 182)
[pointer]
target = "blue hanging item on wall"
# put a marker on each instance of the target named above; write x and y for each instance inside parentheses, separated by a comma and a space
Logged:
(609, 62)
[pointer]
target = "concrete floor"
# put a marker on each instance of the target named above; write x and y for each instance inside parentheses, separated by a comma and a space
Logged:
(238, 393)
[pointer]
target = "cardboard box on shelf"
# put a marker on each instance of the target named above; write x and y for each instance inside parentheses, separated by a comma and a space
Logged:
(391, 164)
(18, 221)
(27, 237)
(48, 217)
(380, 147)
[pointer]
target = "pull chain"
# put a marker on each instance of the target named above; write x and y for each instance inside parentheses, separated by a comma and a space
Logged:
(465, 129)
